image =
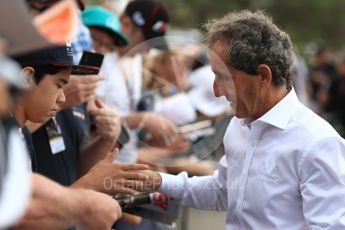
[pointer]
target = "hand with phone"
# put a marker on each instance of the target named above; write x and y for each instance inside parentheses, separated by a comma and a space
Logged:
(81, 89)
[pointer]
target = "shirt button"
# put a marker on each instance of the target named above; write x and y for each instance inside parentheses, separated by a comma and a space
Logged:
(253, 144)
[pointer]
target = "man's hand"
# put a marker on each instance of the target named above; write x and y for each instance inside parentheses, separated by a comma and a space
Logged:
(161, 130)
(152, 183)
(80, 89)
(178, 144)
(100, 211)
(154, 155)
(113, 178)
(107, 120)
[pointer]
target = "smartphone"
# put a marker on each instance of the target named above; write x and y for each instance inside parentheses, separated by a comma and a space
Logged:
(89, 59)
(124, 136)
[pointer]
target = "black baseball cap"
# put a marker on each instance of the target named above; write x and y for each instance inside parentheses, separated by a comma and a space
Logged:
(152, 17)
(60, 56)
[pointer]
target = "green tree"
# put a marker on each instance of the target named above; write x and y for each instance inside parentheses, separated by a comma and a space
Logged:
(321, 21)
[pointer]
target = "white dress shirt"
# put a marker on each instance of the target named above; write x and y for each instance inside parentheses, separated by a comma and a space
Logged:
(285, 170)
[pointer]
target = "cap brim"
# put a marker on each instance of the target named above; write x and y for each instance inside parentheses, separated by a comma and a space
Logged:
(81, 69)
(120, 39)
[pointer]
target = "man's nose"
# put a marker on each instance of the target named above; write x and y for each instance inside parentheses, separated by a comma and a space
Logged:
(217, 88)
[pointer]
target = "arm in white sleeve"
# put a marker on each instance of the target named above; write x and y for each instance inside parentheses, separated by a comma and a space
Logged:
(323, 185)
(205, 192)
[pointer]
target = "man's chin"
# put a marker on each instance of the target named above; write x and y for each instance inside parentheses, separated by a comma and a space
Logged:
(238, 114)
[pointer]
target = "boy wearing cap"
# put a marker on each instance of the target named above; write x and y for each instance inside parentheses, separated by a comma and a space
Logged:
(65, 155)
(53, 206)
(57, 159)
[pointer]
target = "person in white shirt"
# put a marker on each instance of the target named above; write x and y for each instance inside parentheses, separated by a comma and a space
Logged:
(144, 23)
(284, 166)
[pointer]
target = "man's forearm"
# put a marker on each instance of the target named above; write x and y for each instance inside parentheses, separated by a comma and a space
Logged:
(198, 192)
(204, 192)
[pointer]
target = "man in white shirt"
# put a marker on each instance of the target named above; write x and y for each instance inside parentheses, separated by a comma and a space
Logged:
(284, 166)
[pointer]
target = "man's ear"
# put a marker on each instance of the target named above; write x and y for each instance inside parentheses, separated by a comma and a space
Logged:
(264, 74)
(27, 77)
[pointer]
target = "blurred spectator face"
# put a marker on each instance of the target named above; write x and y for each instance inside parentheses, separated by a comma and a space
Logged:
(172, 67)
(323, 56)
(101, 41)
(341, 68)
(133, 32)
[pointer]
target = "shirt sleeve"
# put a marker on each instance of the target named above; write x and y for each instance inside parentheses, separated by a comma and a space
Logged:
(323, 185)
(205, 192)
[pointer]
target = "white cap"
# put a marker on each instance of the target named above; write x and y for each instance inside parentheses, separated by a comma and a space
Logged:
(177, 108)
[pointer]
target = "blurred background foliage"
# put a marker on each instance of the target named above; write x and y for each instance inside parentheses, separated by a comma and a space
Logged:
(308, 22)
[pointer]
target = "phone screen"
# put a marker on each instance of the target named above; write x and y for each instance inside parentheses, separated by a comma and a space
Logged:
(91, 59)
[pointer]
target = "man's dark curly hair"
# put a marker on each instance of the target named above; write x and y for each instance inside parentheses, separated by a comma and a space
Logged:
(253, 39)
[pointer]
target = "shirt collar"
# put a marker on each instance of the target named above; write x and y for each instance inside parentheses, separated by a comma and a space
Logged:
(280, 114)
